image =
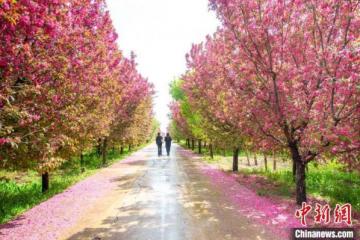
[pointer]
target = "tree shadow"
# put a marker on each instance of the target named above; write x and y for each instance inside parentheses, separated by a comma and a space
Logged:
(136, 221)
(19, 221)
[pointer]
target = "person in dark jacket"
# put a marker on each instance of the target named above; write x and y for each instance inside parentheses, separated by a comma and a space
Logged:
(159, 141)
(168, 143)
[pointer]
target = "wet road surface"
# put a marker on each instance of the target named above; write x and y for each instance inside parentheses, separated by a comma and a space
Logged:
(164, 198)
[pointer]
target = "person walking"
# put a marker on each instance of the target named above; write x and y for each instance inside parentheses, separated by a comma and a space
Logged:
(159, 141)
(168, 140)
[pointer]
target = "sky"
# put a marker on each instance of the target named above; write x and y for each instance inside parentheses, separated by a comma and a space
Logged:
(161, 32)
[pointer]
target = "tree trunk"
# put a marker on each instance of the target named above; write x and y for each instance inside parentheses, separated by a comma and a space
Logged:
(205, 144)
(121, 150)
(265, 162)
(274, 163)
(129, 147)
(248, 158)
(192, 144)
(300, 183)
(199, 146)
(236, 160)
(81, 159)
(45, 182)
(188, 143)
(294, 169)
(211, 151)
(224, 152)
(82, 162)
(255, 159)
(300, 175)
(99, 147)
(104, 151)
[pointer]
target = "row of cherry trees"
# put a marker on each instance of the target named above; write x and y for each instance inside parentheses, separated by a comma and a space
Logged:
(65, 85)
(277, 76)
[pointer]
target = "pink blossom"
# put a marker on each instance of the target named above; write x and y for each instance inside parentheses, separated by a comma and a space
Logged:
(4, 141)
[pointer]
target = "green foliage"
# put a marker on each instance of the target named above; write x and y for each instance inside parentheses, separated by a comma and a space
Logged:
(175, 90)
(193, 118)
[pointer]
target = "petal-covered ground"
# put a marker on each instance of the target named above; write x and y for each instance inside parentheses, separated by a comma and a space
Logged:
(50, 219)
(277, 214)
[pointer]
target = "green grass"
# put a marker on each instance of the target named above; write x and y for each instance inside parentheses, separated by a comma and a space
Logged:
(20, 191)
(16, 198)
(327, 181)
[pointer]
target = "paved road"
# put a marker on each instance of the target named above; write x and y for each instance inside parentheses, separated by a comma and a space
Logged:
(164, 198)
